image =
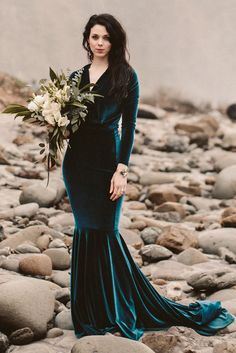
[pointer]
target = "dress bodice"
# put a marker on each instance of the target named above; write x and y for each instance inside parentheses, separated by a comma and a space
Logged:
(106, 113)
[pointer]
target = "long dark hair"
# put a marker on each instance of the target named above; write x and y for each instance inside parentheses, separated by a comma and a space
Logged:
(119, 67)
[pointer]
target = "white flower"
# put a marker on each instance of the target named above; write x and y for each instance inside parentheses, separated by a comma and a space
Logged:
(32, 106)
(57, 115)
(63, 121)
(50, 119)
(39, 99)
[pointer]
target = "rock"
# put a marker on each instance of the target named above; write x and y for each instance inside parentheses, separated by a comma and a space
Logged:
(125, 221)
(109, 344)
(154, 253)
(63, 295)
(150, 234)
(19, 296)
(229, 221)
(63, 320)
(227, 255)
(177, 238)
(131, 238)
(149, 178)
(230, 305)
(57, 243)
(212, 279)
(43, 241)
(229, 140)
(191, 257)
(10, 264)
(159, 194)
(170, 270)
(170, 217)
(223, 160)
(211, 240)
(132, 192)
(63, 220)
(199, 138)
(54, 332)
(225, 347)
(231, 112)
(229, 211)
(225, 186)
(43, 196)
(171, 207)
(189, 189)
(175, 143)
(140, 225)
(27, 210)
(26, 247)
(36, 265)
(147, 111)
(60, 258)
(174, 291)
(62, 278)
(163, 342)
(4, 343)
(201, 203)
(136, 205)
(223, 295)
(28, 234)
(5, 251)
(21, 336)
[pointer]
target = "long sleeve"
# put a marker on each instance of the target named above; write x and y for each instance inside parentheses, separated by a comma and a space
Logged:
(129, 115)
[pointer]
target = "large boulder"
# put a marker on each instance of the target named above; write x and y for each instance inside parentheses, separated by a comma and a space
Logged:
(177, 238)
(36, 264)
(26, 303)
(211, 240)
(225, 186)
(31, 233)
(109, 344)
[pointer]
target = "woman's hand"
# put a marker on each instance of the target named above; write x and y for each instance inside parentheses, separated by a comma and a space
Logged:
(118, 185)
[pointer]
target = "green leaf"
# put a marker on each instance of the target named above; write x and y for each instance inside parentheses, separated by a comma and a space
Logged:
(77, 104)
(74, 128)
(52, 74)
(25, 113)
(14, 108)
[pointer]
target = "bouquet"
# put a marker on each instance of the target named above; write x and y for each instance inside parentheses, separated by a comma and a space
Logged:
(60, 106)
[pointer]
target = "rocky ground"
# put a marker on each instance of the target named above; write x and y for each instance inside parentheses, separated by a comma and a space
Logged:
(178, 219)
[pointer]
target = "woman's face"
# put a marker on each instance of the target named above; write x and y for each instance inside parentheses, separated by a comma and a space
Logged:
(99, 41)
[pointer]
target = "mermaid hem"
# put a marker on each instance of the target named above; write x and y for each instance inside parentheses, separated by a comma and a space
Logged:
(110, 292)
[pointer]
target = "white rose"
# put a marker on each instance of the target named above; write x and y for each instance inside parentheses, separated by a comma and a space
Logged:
(32, 106)
(57, 116)
(55, 107)
(39, 99)
(50, 119)
(63, 121)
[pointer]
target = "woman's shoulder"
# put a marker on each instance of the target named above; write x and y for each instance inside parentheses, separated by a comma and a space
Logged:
(134, 80)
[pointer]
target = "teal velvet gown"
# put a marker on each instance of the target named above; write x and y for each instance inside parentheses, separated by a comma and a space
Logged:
(108, 290)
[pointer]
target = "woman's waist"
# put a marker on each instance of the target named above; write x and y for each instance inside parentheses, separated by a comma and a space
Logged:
(97, 129)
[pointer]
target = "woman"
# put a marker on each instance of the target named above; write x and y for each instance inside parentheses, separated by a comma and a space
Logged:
(109, 293)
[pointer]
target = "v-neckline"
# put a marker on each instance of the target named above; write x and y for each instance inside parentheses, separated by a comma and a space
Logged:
(98, 78)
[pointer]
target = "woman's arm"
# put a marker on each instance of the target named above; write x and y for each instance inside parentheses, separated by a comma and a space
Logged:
(129, 115)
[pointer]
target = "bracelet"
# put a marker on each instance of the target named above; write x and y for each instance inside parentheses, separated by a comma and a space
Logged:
(123, 172)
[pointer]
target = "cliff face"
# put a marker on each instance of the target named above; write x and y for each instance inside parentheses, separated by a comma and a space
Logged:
(184, 46)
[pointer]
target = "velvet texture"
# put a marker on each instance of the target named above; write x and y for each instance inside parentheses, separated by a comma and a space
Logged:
(108, 290)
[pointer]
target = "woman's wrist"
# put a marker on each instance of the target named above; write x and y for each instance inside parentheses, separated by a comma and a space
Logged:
(122, 169)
